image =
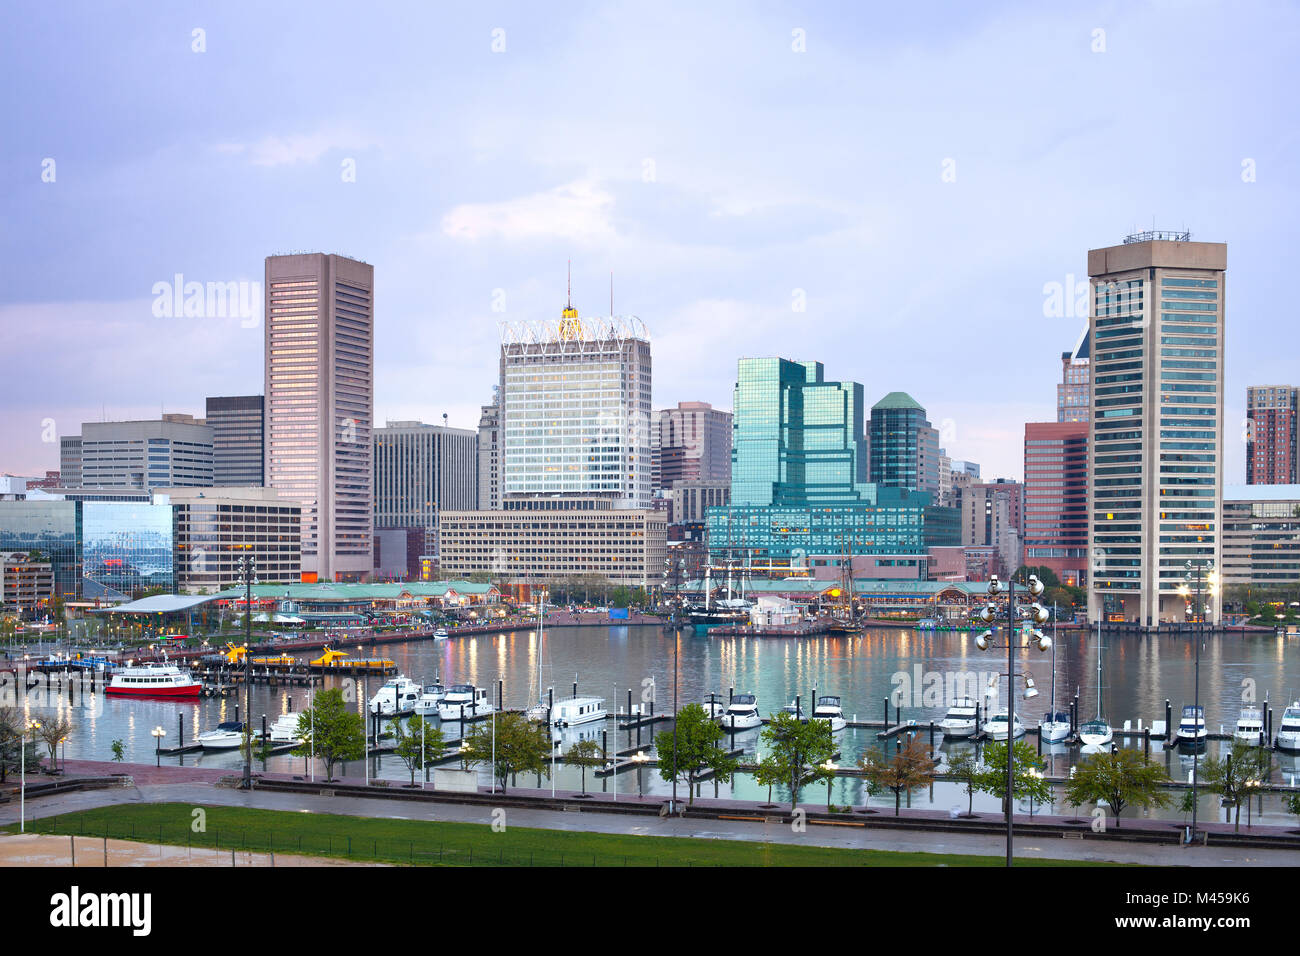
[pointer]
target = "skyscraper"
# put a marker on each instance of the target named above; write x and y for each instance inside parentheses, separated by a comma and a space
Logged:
(1056, 499)
(904, 448)
(1073, 395)
(319, 405)
(489, 454)
(1156, 450)
(173, 451)
(1271, 435)
(420, 470)
(694, 443)
(238, 457)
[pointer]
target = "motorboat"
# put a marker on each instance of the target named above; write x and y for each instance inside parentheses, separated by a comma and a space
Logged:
(464, 701)
(961, 719)
(1288, 731)
(996, 726)
(742, 713)
(828, 709)
(1191, 727)
(714, 706)
(153, 680)
(396, 697)
(578, 710)
(794, 710)
(1095, 733)
(285, 729)
(440, 633)
(1250, 726)
(1055, 727)
(430, 697)
(228, 735)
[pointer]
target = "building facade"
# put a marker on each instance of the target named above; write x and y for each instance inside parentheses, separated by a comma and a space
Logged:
(421, 470)
(904, 448)
(175, 451)
(693, 444)
(1261, 536)
(238, 453)
(1156, 439)
(1271, 435)
(319, 388)
(1073, 395)
(26, 586)
(70, 461)
(215, 527)
(489, 454)
(1055, 510)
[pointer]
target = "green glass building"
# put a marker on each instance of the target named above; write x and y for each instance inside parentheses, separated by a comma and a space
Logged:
(799, 476)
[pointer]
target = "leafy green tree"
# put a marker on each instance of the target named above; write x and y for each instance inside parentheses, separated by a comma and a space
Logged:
(419, 745)
(722, 766)
(584, 754)
(696, 747)
(522, 746)
(1237, 776)
(798, 749)
(52, 732)
(118, 755)
(964, 769)
(767, 773)
(1121, 779)
(1027, 780)
(908, 770)
(330, 731)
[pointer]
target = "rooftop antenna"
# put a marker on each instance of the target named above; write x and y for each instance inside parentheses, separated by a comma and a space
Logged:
(568, 287)
(611, 295)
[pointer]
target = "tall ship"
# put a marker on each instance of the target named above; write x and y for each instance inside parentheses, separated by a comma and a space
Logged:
(153, 680)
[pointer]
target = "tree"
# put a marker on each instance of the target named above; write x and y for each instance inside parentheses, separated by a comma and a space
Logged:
(1293, 804)
(1236, 776)
(768, 773)
(419, 745)
(522, 746)
(15, 745)
(799, 749)
(906, 771)
(330, 731)
(722, 766)
(584, 754)
(118, 755)
(52, 732)
(964, 769)
(1028, 778)
(1123, 778)
(697, 737)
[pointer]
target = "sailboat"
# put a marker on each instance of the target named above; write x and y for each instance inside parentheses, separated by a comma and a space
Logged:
(539, 710)
(1096, 732)
(1056, 724)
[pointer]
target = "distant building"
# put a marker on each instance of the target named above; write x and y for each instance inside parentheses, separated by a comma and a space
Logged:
(692, 499)
(1271, 435)
(489, 454)
(1261, 535)
(175, 451)
(421, 470)
(26, 586)
(215, 527)
(904, 448)
(1056, 499)
(238, 451)
(1073, 394)
(693, 443)
(70, 461)
(992, 517)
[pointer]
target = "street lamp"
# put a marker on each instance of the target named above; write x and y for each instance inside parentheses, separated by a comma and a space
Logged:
(830, 767)
(33, 726)
(675, 623)
(640, 759)
(248, 577)
(1198, 567)
(158, 734)
(1027, 616)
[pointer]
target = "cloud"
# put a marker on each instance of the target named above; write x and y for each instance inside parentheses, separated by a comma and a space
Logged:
(578, 211)
(299, 148)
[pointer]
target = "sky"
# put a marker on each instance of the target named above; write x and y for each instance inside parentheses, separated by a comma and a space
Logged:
(895, 190)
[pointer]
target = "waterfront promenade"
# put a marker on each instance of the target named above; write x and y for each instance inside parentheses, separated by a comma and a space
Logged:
(195, 786)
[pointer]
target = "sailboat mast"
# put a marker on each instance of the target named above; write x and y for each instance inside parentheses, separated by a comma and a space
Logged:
(1053, 661)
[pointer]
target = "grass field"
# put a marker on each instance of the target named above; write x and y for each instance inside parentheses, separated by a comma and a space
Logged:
(418, 842)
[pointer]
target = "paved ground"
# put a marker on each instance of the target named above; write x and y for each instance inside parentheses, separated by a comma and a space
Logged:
(29, 849)
(200, 793)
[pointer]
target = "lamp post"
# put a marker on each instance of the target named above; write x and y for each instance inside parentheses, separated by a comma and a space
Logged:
(673, 571)
(1198, 614)
(158, 734)
(248, 577)
(640, 759)
(33, 726)
(830, 767)
(1029, 615)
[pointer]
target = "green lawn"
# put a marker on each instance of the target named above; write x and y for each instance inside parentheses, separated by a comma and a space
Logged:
(369, 839)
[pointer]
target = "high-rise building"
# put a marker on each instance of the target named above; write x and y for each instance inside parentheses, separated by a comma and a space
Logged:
(992, 516)
(175, 451)
(1056, 499)
(1261, 535)
(575, 409)
(319, 405)
(1271, 435)
(798, 476)
(1073, 394)
(70, 461)
(693, 442)
(489, 454)
(215, 527)
(904, 448)
(238, 457)
(1156, 449)
(422, 470)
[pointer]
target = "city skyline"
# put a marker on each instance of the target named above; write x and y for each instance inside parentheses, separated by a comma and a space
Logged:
(725, 248)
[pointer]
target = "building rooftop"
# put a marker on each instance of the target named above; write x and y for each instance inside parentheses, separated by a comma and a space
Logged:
(898, 400)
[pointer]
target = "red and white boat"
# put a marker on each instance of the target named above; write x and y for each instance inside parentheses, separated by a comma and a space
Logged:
(153, 680)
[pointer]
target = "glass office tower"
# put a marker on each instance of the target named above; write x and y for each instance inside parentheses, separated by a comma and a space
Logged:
(52, 528)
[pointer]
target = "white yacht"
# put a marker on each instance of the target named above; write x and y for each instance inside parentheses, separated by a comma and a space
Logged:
(1250, 726)
(228, 735)
(397, 697)
(285, 729)
(961, 719)
(996, 726)
(1095, 733)
(430, 697)
(578, 710)
(714, 706)
(794, 710)
(464, 701)
(1288, 731)
(1054, 727)
(828, 709)
(742, 713)
(1191, 727)
(440, 633)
